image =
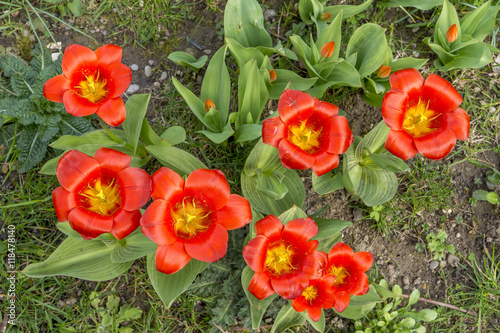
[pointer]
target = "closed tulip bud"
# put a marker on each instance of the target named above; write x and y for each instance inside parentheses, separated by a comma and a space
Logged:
(383, 71)
(452, 34)
(325, 16)
(272, 75)
(209, 105)
(327, 49)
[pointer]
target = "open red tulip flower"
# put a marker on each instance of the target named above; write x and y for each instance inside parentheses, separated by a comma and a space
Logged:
(349, 269)
(308, 132)
(318, 295)
(189, 219)
(92, 82)
(423, 115)
(100, 194)
(282, 257)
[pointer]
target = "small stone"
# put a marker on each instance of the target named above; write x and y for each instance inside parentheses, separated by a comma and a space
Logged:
(415, 29)
(55, 56)
(157, 84)
(497, 67)
(489, 239)
(147, 71)
(60, 304)
(434, 264)
(442, 264)
(269, 13)
(70, 301)
(459, 235)
(453, 260)
(151, 62)
(92, 31)
(25, 33)
(414, 45)
(163, 76)
(133, 88)
(105, 32)
(477, 89)
(416, 54)
(114, 10)
(417, 281)
(406, 280)
(134, 67)
(207, 51)
(357, 215)
(492, 109)
(32, 38)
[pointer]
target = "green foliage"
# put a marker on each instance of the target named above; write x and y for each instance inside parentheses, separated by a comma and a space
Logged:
(39, 120)
(437, 245)
(187, 60)
(493, 183)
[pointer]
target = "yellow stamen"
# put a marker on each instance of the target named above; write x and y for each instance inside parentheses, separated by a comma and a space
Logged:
(103, 199)
(93, 89)
(190, 218)
(304, 137)
(279, 258)
(340, 274)
(310, 293)
(419, 120)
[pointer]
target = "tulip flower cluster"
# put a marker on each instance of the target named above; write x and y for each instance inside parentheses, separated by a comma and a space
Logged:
(286, 262)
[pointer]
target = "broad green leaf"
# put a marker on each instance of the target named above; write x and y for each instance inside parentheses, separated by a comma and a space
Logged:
(480, 195)
(344, 74)
(252, 94)
(170, 286)
(134, 246)
(97, 138)
(480, 22)
(329, 227)
(270, 185)
(420, 4)
(492, 198)
(370, 44)
(427, 315)
(75, 7)
(348, 10)
(244, 22)
(332, 33)
(66, 229)
(284, 77)
(257, 307)
(292, 214)
(136, 106)
(187, 60)
(288, 317)
(374, 187)
(472, 56)
(248, 132)
(447, 18)
(176, 159)
(442, 54)
(414, 296)
(219, 137)
(310, 9)
(383, 291)
(374, 140)
(216, 86)
(408, 62)
(359, 306)
(148, 135)
(408, 322)
(83, 259)
(174, 135)
(244, 54)
(327, 183)
(389, 162)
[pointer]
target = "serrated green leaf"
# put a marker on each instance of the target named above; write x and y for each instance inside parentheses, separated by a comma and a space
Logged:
(75, 7)
(31, 148)
(71, 125)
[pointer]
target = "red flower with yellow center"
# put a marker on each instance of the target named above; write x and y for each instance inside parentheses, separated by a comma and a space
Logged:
(92, 82)
(348, 269)
(308, 132)
(282, 257)
(318, 295)
(189, 219)
(100, 194)
(423, 116)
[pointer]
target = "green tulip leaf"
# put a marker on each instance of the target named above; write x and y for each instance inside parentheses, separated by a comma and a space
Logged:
(284, 77)
(332, 33)
(348, 10)
(288, 317)
(389, 162)
(134, 246)
(174, 135)
(66, 229)
(480, 22)
(176, 159)
(218, 138)
(359, 306)
(270, 185)
(408, 62)
(447, 18)
(248, 132)
(252, 94)
(187, 60)
(148, 135)
(327, 183)
(329, 227)
(244, 54)
(472, 56)
(309, 10)
(374, 141)
(292, 214)
(136, 107)
(420, 4)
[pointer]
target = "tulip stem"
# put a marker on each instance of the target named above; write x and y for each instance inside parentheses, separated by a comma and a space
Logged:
(446, 305)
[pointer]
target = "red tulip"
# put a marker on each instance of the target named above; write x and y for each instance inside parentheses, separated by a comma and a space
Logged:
(424, 116)
(100, 194)
(318, 295)
(452, 33)
(327, 49)
(209, 105)
(92, 82)
(282, 257)
(189, 219)
(308, 133)
(349, 269)
(383, 71)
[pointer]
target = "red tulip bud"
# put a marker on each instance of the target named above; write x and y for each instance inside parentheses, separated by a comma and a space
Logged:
(325, 16)
(209, 105)
(452, 34)
(327, 49)
(383, 71)
(272, 75)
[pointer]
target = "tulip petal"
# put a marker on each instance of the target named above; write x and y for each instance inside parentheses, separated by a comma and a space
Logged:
(459, 122)
(336, 135)
(118, 78)
(208, 186)
(357, 283)
(108, 54)
(440, 94)
(401, 144)
(436, 145)
(314, 312)
(324, 110)
(394, 109)
(273, 130)
(409, 81)
(260, 285)
(124, 223)
(324, 162)
(290, 286)
(54, 88)
(211, 248)
(156, 223)
(295, 106)
(314, 264)
(89, 224)
(112, 111)
(300, 230)
(293, 157)
(235, 214)
(76, 169)
(341, 301)
(340, 255)
(77, 105)
(363, 260)
(171, 258)
(299, 304)
(75, 57)
(270, 227)
(255, 253)
(64, 202)
(135, 188)
(111, 161)
(167, 185)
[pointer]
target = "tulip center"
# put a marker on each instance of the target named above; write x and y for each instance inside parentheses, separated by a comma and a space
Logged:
(310, 293)
(340, 274)
(419, 120)
(279, 258)
(190, 218)
(93, 88)
(304, 137)
(102, 198)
